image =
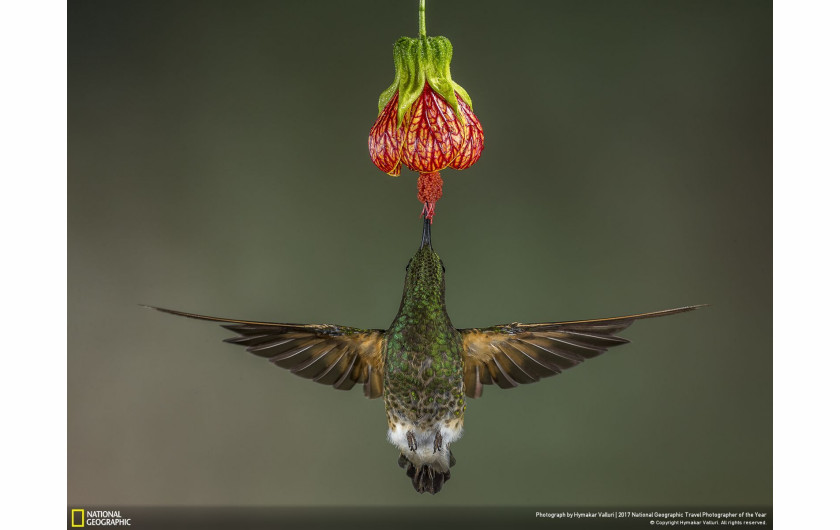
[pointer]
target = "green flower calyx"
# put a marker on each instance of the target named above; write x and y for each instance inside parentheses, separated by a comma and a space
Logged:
(418, 62)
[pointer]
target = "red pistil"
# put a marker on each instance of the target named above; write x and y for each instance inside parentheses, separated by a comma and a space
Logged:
(429, 191)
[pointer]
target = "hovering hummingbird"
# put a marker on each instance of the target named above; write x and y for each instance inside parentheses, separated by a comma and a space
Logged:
(425, 367)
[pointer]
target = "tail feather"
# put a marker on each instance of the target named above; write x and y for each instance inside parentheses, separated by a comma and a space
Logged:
(425, 478)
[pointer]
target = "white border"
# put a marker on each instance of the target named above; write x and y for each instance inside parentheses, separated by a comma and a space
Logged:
(33, 212)
(806, 141)
(806, 268)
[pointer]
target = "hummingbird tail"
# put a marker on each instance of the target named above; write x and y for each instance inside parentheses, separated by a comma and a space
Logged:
(425, 479)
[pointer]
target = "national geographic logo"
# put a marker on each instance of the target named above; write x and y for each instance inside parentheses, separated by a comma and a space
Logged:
(80, 518)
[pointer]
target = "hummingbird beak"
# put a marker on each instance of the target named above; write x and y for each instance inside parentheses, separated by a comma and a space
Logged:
(426, 240)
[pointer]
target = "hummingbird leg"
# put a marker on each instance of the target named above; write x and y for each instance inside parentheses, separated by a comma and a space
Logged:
(412, 441)
(438, 443)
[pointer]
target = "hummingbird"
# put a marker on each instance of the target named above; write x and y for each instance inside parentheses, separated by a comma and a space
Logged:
(422, 366)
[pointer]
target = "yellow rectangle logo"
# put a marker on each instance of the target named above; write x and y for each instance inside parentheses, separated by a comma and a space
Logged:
(73, 518)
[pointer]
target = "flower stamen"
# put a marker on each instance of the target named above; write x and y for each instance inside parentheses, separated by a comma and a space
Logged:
(429, 191)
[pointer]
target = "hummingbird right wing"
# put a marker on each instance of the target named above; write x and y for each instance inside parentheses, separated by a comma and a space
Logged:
(328, 354)
(513, 354)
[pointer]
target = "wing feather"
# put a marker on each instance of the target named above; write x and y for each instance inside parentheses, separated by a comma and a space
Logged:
(328, 354)
(331, 373)
(512, 354)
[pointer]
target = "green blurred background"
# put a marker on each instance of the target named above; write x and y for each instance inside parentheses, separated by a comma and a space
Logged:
(218, 164)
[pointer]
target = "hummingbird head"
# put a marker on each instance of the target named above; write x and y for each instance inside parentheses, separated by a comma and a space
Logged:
(424, 272)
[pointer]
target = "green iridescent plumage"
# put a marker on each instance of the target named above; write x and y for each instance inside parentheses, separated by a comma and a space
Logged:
(424, 369)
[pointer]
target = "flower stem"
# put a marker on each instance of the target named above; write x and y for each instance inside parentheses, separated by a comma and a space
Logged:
(422, 18)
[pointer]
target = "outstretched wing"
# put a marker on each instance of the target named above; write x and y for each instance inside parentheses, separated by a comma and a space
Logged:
(513, 354)
(331, 355)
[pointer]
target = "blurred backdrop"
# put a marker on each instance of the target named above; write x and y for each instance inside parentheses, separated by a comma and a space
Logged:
(218, 164)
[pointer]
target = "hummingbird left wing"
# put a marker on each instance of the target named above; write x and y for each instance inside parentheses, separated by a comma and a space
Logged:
(513, 354)
(328, 354)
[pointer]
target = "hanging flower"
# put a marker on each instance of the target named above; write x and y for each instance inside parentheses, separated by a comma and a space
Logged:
(426, 120)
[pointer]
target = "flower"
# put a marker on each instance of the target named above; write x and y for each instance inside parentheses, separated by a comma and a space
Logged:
(426, 120)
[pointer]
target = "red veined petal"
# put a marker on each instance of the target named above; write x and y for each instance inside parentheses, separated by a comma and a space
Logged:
(473, 142)
(386, 140)
(434, 135)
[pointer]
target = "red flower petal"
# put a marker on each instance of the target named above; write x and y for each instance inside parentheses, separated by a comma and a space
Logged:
(434, 134)
(473, 138)
(386, 141)
(430, 138)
